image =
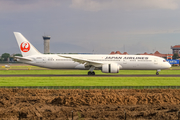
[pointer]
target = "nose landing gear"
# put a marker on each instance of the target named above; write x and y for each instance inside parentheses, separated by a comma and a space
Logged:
(157, 73)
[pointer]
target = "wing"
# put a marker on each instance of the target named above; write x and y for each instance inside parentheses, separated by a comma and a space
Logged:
(83, 61)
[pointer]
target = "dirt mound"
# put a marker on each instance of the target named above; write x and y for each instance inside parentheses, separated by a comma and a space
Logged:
(89, 104)
(116, 97)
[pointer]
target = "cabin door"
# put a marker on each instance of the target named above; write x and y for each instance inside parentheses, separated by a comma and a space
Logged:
(124, 61)
(155, 61)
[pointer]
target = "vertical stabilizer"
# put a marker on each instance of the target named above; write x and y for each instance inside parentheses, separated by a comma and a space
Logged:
(26, 48)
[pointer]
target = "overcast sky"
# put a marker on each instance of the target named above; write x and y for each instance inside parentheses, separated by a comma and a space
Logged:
(86, 26)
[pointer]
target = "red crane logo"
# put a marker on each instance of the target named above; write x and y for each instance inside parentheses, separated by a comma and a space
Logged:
(25, 46)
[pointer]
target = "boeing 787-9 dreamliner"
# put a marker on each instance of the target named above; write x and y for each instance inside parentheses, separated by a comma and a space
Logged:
(106, 63)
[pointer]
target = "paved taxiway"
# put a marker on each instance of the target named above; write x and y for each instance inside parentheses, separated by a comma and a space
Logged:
(89, 76)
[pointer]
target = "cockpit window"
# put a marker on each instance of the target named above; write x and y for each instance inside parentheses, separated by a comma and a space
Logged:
(164, 60)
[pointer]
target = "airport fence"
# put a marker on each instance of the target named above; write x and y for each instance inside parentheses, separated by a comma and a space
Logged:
(91, 87)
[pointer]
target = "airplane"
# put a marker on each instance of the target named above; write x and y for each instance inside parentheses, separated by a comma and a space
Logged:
(105, 62)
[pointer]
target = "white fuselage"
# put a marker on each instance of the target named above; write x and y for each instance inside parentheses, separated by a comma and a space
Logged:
(126, 62)
(107, 63)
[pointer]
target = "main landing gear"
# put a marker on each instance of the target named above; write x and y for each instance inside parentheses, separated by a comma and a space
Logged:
(157, 73)
(91, 72)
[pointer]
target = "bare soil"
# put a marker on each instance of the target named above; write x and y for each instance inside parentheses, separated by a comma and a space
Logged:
(95, 104)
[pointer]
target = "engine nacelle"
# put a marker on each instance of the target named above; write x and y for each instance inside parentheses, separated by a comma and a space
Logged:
(110, 68)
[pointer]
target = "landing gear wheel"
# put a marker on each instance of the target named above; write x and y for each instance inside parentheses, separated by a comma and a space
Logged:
(91, 73)
(157, 73)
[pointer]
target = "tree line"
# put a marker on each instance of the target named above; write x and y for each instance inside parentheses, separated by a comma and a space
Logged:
(8, 57)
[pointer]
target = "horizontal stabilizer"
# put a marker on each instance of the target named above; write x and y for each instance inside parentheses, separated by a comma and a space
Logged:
(22, 58)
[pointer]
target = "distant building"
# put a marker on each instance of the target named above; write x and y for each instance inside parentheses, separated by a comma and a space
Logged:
(117, 52)
(157, 53)
(46, 44)
(166, 56)
(176, 49)
(125, 53)
(112, 52)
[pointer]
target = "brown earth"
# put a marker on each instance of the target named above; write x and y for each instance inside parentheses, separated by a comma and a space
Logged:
(39, 104)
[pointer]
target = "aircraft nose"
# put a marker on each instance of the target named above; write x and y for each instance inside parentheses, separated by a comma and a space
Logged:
(168, 65)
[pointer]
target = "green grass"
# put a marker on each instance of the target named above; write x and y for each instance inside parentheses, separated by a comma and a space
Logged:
(21, 67)
(175, 67)
(25, 66)
(89, 81)
(84, 72)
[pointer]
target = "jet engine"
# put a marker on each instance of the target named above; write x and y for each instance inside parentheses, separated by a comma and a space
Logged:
(110, 68)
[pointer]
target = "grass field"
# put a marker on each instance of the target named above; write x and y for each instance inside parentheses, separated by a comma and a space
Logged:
(90, 81)
(84, 72)
(87, 81)
(25, 67)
